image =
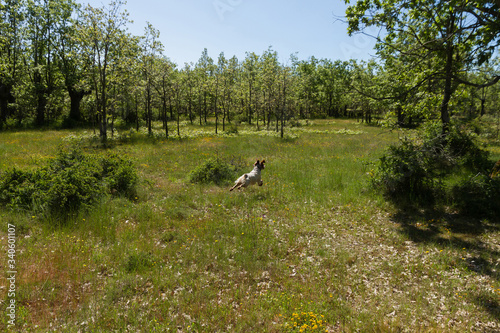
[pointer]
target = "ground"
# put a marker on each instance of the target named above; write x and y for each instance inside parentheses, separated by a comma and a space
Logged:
(314, 249)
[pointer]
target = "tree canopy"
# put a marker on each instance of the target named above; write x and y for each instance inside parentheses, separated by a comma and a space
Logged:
(69, 64)
(432, 47)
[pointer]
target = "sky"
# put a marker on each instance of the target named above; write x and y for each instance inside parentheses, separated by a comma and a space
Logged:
(307, 28)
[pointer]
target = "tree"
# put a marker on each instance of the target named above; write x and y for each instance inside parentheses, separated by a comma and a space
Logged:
(437, 41)
(203, 68)
(250, 67)
(42, 18)
(177, 89)
(230, 78)
(333, 80)
(366, 81)
(218, 77)
(102, 35)
(163, 85)
(11, 37)
(151, 48)
(270, 73)
(189, 80)
(71, 63)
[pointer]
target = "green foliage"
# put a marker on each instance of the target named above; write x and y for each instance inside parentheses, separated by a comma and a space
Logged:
(424, 79)
(16, 188)
(232, 129)
(69, 184)
(214, 170)
(120, 175)
(416, 169)
(457, 148)
(477, 196)
(71, 181)
(405, 171)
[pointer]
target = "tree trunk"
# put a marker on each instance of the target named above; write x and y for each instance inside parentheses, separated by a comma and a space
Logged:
(6, 97)
(448, 84)
(148, 105)
(165, 120)
(445, 114)
(76, 97)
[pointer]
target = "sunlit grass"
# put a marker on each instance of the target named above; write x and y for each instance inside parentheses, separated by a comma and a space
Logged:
(313, 249)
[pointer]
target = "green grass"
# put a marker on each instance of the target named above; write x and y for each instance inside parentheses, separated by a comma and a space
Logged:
(314, 249)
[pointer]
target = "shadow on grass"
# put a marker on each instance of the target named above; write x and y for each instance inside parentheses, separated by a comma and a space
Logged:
(459, 233)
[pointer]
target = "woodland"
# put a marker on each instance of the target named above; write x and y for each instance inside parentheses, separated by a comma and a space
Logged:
(379, 203)
(63, 64)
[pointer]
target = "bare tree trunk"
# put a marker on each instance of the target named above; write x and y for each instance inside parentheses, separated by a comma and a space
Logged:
(448, 88)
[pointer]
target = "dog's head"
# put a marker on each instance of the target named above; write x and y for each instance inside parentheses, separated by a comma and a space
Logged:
(259, 164)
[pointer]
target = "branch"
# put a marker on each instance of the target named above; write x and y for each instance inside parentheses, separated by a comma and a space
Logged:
(477, 85)
(403, 94)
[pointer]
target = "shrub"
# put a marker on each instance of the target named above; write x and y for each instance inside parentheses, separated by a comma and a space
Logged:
(232, 129)
(214, 170)
(120, 175)
(478, 196)
(71, 181)
(456, 149)
(66, 189)
(404, 172)
(16, 188)
(414, 170)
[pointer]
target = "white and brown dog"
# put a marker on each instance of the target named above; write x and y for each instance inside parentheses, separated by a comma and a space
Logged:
(250, 178)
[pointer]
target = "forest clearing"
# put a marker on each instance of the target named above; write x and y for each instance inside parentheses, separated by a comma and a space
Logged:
(377, 209)
(314, 248)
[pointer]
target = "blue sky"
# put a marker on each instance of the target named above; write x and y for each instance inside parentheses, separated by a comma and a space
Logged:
(236, 26)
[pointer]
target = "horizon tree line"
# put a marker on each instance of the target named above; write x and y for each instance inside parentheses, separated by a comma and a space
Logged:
(77, 65)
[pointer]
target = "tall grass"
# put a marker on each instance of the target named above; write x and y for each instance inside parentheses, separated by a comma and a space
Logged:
(314, 248)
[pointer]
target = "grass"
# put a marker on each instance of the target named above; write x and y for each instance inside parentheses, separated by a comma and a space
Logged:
(314, 249)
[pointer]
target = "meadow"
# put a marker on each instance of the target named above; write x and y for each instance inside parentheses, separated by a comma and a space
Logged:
(315, 249)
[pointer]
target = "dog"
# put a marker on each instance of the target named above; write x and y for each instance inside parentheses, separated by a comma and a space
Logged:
(250, 178)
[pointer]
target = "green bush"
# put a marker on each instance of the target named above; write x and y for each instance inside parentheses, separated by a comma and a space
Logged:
(120, 175)
(70, 188)
(214, 170)
(477, 196)
(456, 149)
(16, 188)
(415, 170)
(232, 129)
(404, 172)
(71, 181)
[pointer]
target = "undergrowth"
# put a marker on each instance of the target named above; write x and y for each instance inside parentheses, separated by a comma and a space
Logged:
(214, 170)
(439, 169)
(71, 181)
